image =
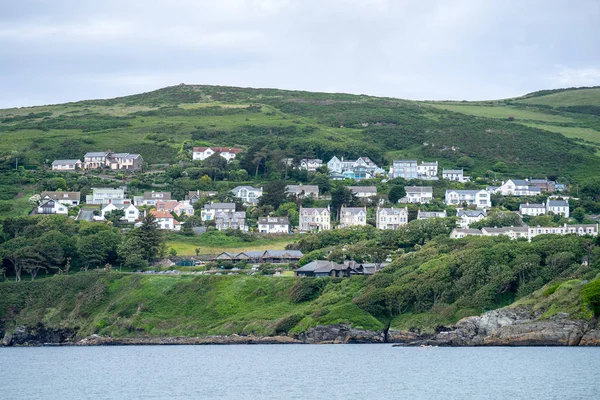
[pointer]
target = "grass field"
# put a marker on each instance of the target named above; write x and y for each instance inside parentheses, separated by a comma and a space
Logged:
(587, 97)
(215, 244)
(503, 112)
(588, 134)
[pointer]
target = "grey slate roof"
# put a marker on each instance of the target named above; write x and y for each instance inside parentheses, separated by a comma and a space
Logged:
(227, 206)
(62, 195)
(521, 206)
(471, 213)
(96, 154)
(418, 189)
(464, 191)
(558, 203)
(321, 266)
(452, 171)
(363, 189)
(274, 220)
(65, 162)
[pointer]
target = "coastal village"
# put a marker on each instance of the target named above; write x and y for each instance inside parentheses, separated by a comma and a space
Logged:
(465, 208)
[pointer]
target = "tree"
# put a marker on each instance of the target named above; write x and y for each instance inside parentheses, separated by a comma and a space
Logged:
(114, 216)
(205, 182)
(500, 166)
(465, 162)
(579, 214)
(15, 251)
(150, 237)
(56, 183)
(342, 196)
(323, 182)
(274, 194)
(396, 193)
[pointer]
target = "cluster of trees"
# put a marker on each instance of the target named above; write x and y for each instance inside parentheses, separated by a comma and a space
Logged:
(473, 275)
(57, 244)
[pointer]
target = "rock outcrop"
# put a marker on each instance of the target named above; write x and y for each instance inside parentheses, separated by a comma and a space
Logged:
(37, 336)
(518, 326)
(340, 333)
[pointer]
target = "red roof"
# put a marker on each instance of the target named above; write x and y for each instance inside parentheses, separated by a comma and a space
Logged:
(161, 214)
(234, 150)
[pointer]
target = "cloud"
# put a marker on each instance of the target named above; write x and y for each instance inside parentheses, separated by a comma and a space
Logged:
(432, 49)
(572, 77)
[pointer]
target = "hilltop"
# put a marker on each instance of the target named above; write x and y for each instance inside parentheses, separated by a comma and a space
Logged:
(545, 134)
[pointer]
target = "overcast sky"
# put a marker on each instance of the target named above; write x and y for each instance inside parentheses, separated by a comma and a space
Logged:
(67, 50)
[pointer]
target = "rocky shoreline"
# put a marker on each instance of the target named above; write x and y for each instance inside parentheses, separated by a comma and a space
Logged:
(519, 326)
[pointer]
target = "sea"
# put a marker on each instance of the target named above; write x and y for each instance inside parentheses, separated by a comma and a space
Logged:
(361, 371)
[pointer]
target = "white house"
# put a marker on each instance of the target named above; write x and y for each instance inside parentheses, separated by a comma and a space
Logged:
(210, 210)
(231, 220)
(310, 164)
(314, 219)
(303, 190)
(391, 218)
(132, 213)
(106, 195)
(411, 169)
(151, 198)
(274, 225)
(479, 198)
(467, 217)
(352, 216)
(166, 221)
(127, 161)
(532, 210)
(529, 232)
(431, 214)
(517, 187)
(558, 207)
(454, 175)
(248, 194)
(69, 199)
(51, 206)
(427, 170)
(94, 160)
(459, 233)
(418, 194)
(66, 165)
(361, 168)
(363, 192)
(228, 153)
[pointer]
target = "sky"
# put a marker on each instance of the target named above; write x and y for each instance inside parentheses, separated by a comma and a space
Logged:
(67, 50)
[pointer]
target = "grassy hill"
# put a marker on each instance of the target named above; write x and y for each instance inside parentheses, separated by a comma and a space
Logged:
(537, 141)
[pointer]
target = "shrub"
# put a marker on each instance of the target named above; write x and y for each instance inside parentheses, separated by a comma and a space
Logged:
(306, 289)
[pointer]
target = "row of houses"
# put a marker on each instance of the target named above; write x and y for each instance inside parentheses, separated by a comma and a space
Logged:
(260, 257)
(527, 232)
(104, 159)
(322, 269)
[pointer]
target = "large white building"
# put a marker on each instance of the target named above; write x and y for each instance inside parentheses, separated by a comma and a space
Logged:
(166, 221)
(532, 210)
(69, 199)
(353, 216)
(418, 194)
(106, 195)
(411, 169)
(391, 218)
(454, 175)
(311, 164)
(248, 194)
(51, 206)
(66, 165)
(274, 225)
(302, 191)
(528, 232)
(363, 192)
(516, 187)
(210, 210)
(228, 153)
(431, 214)
(467, 217)
(479, 198)
(314, 219)
(131, 212)
(558, 207)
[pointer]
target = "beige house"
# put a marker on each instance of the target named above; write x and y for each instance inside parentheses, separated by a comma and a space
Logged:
(352, 216)
(314, 219)
(391, 218)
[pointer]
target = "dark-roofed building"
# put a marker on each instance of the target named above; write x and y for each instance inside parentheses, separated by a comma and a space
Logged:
(532, 210)
(467, 217)
(66, 165)
(418, 194)
(303, 190)
(353, 216)
(195, 195)
(274, 225)
(557, 207)
(67, 198)
(431, 214)
(322, 268)
(363, 192)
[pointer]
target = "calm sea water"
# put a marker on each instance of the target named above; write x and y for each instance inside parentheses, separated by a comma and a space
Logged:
(299, 372)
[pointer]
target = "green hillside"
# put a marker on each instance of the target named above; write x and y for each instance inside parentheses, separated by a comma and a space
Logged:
(564, 98)
(436, 284)
(300, 124)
